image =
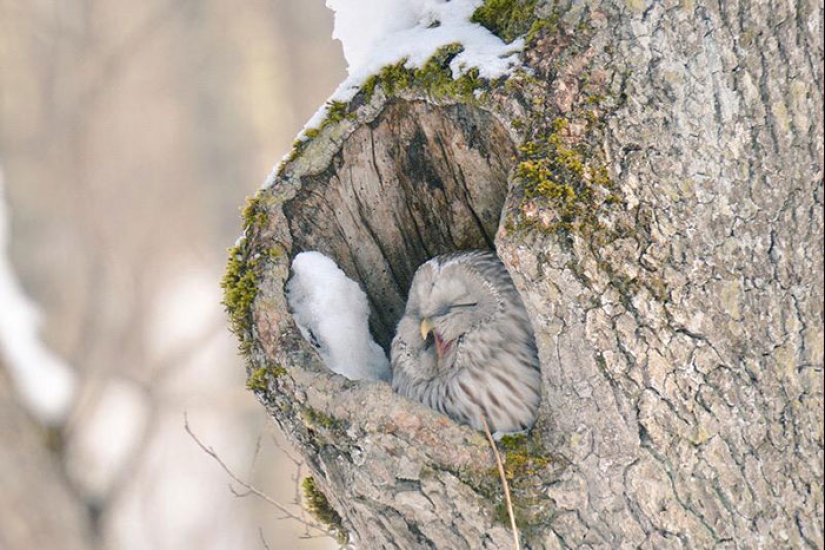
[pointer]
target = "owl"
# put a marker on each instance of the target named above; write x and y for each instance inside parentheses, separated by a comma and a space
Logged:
(465, 346)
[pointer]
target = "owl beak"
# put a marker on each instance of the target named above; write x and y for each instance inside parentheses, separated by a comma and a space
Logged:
(426, 327)
(441, 347)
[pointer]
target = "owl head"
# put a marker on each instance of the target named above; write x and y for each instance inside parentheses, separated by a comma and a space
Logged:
(447, 299)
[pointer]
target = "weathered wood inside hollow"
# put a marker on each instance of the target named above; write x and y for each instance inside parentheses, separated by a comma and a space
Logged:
(419, 181)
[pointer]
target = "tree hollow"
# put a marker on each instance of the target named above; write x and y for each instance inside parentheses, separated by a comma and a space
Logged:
(420, 180)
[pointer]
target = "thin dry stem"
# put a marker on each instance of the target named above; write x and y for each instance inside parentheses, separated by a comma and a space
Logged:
(504, 483)
(251, 489)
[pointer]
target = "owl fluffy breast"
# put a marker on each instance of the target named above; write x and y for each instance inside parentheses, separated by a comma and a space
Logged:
(465, 346)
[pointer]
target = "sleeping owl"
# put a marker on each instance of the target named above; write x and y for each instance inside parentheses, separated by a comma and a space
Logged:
(465, 346)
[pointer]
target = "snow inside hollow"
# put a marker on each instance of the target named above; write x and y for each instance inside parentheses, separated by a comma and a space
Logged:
(44, 381)
(332, 314)
(378, 33)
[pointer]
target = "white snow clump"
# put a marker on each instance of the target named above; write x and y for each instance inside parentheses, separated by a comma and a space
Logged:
(378, 33)
(332, 314)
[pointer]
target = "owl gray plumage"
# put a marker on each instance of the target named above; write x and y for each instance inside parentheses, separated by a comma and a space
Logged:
(465, 346)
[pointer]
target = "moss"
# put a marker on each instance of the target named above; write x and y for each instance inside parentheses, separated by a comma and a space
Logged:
(566, 183)
(243, 272)
(297, 148)
(254, 213)
(258, 378)
(524, 456)
(507, 19)
(336, 112)
(569, 179)
(240, 289)
(392, 78)
(528, 469)
(435, 78)
(544, 26)
(316, 419)
(318, 505)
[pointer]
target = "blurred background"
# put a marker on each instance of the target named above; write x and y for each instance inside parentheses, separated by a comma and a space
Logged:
(130, 134)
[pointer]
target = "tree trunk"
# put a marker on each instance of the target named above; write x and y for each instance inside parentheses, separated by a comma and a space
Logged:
(654, 184)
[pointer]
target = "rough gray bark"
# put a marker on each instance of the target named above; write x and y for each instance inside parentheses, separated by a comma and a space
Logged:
(38, 510)
(680, 329)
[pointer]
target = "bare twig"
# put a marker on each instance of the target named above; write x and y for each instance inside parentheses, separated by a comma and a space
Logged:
(251, 489)
(263, 540)
(296, 478)
(256, 453)
(280, 447)
(504, 483)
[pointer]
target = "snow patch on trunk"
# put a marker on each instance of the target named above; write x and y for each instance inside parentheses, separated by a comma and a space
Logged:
(377, 33)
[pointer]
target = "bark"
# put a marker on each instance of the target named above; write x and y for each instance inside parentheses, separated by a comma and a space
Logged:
(38, 510)
(677, 304)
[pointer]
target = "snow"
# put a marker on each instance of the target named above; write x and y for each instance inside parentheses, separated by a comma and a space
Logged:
(44, 381)
(332, 314)
(378, 33)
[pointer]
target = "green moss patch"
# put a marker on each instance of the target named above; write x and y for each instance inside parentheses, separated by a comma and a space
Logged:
(318, 505)
(507, 19)
(243, 273)
(523, 456)
(317, 419)
(336, 112)
(258, 380)
(240, 289)
(435, 78)
(528, 469)
(569, 179)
